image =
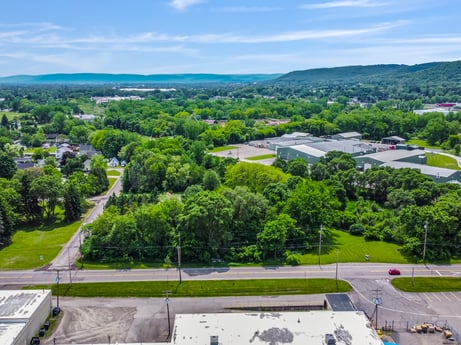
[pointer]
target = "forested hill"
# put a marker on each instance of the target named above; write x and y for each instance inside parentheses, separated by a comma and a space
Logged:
(136, 79)
(428, 72)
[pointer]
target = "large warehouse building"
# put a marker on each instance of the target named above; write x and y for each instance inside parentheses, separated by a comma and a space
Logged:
(22, 314)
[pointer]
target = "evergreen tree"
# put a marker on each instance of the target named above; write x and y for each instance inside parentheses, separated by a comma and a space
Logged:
(73, 202)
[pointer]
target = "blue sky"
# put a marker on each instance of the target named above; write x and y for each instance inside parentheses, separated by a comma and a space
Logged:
(223, 36)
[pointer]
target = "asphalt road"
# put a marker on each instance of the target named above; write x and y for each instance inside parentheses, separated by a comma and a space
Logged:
(347, 271)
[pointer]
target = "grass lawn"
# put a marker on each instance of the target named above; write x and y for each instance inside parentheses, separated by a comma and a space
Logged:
(28, 244)
(427, 284)
(257, 158)
(113, 173)
(421, 143)
(223, 148)
(353, 249)
(111, 183)
(442, 161)
(12, 114)
(208, 288)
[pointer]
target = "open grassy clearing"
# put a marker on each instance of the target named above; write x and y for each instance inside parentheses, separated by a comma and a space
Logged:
(257, 158)
(427, 284)
(208, 288)
(10, 115)
(345, 247)
(442, 161)
(223, 148)
(29, 244)
(112, 180)
(113, 172)
(421, 143)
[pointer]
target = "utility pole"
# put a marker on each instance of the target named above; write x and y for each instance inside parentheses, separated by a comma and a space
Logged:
(57, 288)
(377, 300)
(425, 241)
(68, 266)
(167, 302)
(179, 257)
(336, 275)
(320, 242)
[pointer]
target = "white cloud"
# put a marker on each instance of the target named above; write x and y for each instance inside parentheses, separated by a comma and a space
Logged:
(57, 39)
(345, 3)
(183, 4)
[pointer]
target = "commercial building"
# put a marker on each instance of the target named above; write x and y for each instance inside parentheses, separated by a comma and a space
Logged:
(22, 314)
(294, 328)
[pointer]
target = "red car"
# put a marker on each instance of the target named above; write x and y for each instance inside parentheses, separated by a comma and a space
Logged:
(394, 271)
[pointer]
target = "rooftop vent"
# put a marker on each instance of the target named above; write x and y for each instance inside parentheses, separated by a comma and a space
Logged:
(330, 339)
(214, 340)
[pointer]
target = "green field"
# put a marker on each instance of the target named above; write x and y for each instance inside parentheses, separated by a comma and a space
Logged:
(113, 172)
(345, 247)
(28, 245)
(223, 148)
(257, 158)
(442, 161)
(11, 114)
(208, 288)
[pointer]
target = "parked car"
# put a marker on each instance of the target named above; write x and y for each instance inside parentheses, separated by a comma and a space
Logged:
(394, 271)
(35, 341)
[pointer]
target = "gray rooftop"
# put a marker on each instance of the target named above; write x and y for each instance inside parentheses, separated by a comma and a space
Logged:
(393, 155)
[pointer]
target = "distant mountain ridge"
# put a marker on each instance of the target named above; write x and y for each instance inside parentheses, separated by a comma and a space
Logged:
(387, 73)
(433, 71)
(106, 78)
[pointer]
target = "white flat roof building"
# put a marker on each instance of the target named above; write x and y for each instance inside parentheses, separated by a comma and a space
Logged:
(294, 328)
(22, 313)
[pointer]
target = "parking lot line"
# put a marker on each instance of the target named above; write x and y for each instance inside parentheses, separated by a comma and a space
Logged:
(435, 295)
(427, 297)
(454, 295)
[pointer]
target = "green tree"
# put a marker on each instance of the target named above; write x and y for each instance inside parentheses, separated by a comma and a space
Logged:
(205, 225)
(48, 190)
(312, 204)
(211, 180)
(73, 201)
(7, 165)
(254, 176)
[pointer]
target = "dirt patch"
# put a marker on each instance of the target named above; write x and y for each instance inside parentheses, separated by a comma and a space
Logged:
(88, 325)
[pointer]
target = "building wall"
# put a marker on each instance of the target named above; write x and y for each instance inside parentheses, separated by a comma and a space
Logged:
(288, 154)
(35, 322)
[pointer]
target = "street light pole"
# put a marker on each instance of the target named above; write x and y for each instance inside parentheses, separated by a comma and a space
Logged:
(425, 241)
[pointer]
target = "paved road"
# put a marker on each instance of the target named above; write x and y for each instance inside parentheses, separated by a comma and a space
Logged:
(347, 271)
(71, 250)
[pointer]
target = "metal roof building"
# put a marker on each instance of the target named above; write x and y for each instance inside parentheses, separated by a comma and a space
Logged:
(22, 313)
(379, 158)
(312, 152)
(294, 328)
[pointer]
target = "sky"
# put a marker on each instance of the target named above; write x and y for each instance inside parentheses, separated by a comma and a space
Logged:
(223, 36)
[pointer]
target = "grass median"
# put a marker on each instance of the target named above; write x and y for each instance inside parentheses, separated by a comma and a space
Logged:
(427, 284)
(202, 288)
